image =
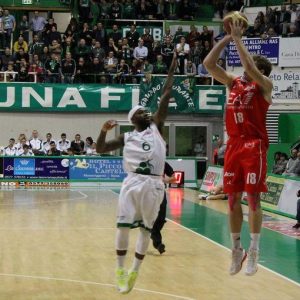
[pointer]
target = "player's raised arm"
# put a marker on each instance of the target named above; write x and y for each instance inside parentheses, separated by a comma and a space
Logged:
(210, 62)
(161, 114)
(106, 146)
(250, 66)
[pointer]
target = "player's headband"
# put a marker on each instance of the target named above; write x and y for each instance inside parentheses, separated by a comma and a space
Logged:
(134, 110)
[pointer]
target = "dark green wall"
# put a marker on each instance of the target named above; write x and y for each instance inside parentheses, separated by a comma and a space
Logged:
(289, 128)
(35, 4)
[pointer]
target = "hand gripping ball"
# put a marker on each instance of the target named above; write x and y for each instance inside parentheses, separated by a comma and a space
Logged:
(232, 17)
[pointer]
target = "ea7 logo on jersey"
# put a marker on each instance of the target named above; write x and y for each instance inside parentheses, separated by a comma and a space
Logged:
(249, 145)
(228, 174)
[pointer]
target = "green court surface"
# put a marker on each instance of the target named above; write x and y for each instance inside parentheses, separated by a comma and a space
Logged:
(278, 252)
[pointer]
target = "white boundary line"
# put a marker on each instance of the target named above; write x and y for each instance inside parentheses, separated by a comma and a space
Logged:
(93, 283)
(206, 238)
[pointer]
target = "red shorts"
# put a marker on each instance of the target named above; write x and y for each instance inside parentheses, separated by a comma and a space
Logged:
(245, 166)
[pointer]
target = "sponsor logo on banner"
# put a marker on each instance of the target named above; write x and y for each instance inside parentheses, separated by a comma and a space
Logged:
(212, 178)
(289, 52)
(24, 166)
(256, 46)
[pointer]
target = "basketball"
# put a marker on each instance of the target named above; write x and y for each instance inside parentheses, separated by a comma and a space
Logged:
(232, 17)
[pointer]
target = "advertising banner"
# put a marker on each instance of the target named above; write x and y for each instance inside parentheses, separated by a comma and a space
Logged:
(256, 46)
(212, 178)
(289, 53)
(114, 98)
(288, 198)
(37, 168)
(93, 168)
(275, 186)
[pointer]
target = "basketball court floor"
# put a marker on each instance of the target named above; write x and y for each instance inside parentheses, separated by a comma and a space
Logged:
(59, 244)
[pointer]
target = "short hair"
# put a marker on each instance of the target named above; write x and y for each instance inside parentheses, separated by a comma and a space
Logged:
(63, 134)
(25, 146)
(52, 142)
(262, 63)
(12, 139)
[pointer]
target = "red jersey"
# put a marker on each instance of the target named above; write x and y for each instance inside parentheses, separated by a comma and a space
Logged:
(246, 111)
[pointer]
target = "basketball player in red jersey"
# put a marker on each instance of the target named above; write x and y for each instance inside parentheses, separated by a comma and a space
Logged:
(245, 159)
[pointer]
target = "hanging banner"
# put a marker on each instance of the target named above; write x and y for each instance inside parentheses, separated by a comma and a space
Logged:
(114, 98)
(185, 96)
(256, 46)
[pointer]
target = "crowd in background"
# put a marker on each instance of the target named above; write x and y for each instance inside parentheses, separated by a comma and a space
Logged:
(50, 147)
(288, 166)
(91, 52)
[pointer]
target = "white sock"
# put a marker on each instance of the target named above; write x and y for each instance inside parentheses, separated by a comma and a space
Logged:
(142, 245)
(122, 241)
(236, 240)
(136, 264)
(254, 241)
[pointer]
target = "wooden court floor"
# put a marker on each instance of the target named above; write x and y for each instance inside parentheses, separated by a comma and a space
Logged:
(59, 244)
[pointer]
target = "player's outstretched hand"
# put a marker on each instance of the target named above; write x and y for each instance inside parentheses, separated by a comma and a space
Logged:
(108, 125)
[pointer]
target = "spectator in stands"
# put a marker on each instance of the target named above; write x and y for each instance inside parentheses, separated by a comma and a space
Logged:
(297, 225)
(148, 39)
(2, 31)
(52, 68)
(95, 11)
(178, 35)
(256, 30)
(122, 71)
(160, 67)
(297, 167)
(160, 11)
(280, 163)
(142, 10)
(196, 53)
(205, 77)
(271, 33)
(55, 48)
(84, 10)
(45, 56)
(86, 34)
(11, 149)
(112, 47)
(46, 143)
(135, 69)
(82, 50)
(110, 63)
(25, 151)
(132, 37)
(222, 63)
(90, 147)
(129, 10)
(20, 43)
(115, 10)
(53, 36)
(37, 61)
(9, 24)
(206, 49)
(53, 151)
(36, 46)
(81, 71)
(37, 24)
(183, 51)
(10, 72)
(22, 75)
(260, 18)
(193, 36)
(115, 34)
(140, 53)
(206, 35)
(283, 18)
(63, 144)
(35, 143)
(291, 164)
(68, 69)
(77, 144)
(147, 67)
(99, 33)
(6, 57)
(70, 151)
(98, 52)
(167, 35)
(190, 68)
(126, 51)
(68, 46)
(220, 152)
(38, 70)
(97, 68)
(21, 54)
(185, 11)
(22, 139)
(72, 26)
(24, 27)
(172, 10)
(167, 50)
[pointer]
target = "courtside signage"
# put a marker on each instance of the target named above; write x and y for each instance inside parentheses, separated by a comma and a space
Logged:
(289, 52)
(102, 98)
